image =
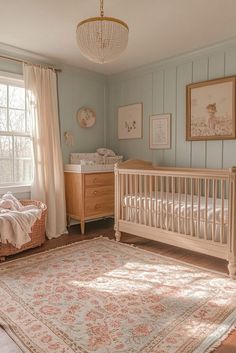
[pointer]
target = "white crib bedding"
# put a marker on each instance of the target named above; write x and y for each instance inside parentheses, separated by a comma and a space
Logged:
(188, 217)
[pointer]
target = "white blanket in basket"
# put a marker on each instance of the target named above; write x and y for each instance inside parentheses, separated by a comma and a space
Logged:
(16, 220)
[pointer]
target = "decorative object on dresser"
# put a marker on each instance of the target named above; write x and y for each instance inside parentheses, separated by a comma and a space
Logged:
(37, 234)
(159, 131)
(130, 121)
(86, 117)
(102, 296)
(190, 208)
(211, 110)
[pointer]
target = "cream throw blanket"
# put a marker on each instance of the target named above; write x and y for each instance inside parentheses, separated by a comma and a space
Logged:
(16, 220)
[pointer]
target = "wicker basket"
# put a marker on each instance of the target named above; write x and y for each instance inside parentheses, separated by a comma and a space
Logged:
(37, 235)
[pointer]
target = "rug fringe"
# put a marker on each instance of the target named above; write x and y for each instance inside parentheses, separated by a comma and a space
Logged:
(221, 340)
(216, 338)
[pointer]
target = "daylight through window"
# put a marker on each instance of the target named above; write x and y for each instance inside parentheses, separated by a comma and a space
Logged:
(15, 134)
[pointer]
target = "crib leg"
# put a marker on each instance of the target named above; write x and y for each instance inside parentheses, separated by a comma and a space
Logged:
(232, 269)
(2, 258)
(118, 235)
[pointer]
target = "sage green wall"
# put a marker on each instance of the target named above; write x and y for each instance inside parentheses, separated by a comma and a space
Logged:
(162, 88)
(78, 88)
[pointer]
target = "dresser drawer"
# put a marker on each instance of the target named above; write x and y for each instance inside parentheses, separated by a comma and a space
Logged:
(99, 179)
(99, 206)
(100, 191)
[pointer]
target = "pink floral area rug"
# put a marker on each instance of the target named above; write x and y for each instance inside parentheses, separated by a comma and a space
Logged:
(105, 297)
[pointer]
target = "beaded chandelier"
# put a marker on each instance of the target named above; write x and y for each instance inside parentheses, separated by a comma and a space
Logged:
(102, 39)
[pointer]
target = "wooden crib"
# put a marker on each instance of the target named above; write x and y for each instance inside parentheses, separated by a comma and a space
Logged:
(193, 209)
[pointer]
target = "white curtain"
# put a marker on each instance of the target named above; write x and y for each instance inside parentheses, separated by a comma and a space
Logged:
(48, 183)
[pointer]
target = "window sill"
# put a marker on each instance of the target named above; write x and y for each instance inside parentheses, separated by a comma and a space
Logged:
(15, 189)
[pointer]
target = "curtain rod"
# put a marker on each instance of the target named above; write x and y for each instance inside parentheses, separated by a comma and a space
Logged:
(27, 62)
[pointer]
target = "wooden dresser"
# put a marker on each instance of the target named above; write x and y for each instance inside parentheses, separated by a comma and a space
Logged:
(89, 195)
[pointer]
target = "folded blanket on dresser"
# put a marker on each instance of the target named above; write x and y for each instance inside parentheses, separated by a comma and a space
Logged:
(16, 220)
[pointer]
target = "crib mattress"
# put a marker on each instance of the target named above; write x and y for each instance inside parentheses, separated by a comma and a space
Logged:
(190, 215)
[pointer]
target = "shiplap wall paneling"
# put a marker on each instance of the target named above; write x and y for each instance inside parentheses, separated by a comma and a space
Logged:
(158, 108)
(147, 92)
(114, 103)
(183, 147)
(170, 107)
(214, 148)
(200, 73)
(229, 147)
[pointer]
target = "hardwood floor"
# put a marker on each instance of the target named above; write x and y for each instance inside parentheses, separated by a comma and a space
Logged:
(105, 228)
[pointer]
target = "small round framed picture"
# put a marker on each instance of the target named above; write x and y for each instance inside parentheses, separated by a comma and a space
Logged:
(86, 117)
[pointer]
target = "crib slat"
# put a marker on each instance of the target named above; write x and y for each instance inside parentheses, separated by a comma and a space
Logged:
(122, 205)
(198, 206)
(131, 190)
(140, 197)
(162, 186)
(179, 202)
(151, 202)
(173, 202)
(222, 211)
(192, 205)
(185, 206)
(156, 201)
(206, 207)
(145, 200)
(135, 196)
(214, 210)
(167, 202)
(127, 193)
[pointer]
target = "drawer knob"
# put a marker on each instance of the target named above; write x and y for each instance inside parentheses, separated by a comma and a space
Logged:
(95, 192)
(95, 180)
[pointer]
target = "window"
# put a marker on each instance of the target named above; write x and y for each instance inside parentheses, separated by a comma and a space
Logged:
(16, 163)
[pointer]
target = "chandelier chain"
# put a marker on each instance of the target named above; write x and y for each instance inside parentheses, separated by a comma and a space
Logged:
(101, 8)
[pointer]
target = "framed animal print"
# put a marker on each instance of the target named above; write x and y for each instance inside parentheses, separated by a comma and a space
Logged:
(130, 121)
(211, 110)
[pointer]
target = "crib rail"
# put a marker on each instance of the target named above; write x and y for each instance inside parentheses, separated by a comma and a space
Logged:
(193, 202)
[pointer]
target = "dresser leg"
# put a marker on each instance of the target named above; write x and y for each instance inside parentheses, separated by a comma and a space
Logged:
(82, 226)
(68, 221)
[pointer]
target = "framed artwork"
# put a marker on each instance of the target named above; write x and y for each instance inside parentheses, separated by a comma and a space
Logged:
(211, 110)
(159, 131)
(130, 121)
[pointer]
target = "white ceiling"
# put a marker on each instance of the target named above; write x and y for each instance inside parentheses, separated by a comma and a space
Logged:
(158, 28)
